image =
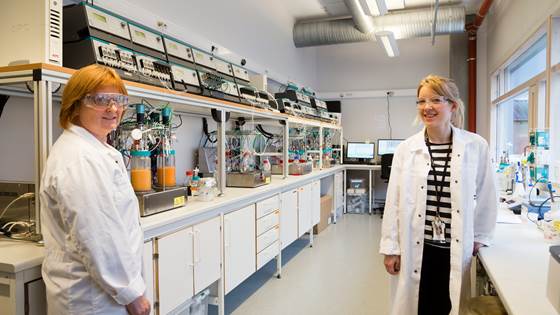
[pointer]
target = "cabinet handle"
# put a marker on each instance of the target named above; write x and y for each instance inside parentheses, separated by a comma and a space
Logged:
(228, 232)
(197, 247)
(191, 234)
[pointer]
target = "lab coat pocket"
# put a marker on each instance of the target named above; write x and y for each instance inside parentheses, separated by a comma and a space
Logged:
(123, 190)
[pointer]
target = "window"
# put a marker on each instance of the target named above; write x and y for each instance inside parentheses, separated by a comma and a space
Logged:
(512, 132)
(527, 65)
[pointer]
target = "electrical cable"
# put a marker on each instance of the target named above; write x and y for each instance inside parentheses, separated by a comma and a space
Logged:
(26, 195)
(389, 118)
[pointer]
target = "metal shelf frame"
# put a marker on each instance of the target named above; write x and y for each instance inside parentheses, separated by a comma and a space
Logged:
(46, 78)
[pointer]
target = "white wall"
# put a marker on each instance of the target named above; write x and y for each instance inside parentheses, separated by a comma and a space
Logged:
(511, 23)
(367, 119)
(259, 31)
(16, 140)
(365, 66)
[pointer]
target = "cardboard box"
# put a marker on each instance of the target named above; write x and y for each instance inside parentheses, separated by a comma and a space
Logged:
(326, 210)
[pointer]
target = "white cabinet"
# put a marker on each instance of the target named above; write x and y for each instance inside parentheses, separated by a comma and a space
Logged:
(148, 271)
(289, 218)
(188, 262)
(315, 202)
(239, 246)
(304, 209)
(207, 249)
(175, 269)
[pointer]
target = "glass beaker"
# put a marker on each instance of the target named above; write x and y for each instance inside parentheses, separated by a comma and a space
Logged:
(140, 170)
(166, 168)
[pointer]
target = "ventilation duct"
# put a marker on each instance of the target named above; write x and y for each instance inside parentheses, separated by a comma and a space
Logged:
(404, 24)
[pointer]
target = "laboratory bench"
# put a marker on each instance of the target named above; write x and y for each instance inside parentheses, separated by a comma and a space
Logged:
(215, 244)
(517, 265)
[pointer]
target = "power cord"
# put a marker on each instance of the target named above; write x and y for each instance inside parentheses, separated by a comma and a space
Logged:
(389, 93)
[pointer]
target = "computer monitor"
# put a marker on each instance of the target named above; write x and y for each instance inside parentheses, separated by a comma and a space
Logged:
(387, 146)
(360, 150)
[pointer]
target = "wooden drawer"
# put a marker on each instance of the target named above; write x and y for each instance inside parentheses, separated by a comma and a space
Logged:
(267, 222)
(267, 206)
(267, 254)
(267, 238)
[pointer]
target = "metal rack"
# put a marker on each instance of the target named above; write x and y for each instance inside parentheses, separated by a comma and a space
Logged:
(46, 77)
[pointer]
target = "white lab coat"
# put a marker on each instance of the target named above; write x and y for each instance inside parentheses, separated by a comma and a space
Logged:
(91, 228)
(473, 205)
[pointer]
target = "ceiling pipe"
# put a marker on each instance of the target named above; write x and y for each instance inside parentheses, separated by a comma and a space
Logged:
(408, 23)
(363, 22)
(472, 29)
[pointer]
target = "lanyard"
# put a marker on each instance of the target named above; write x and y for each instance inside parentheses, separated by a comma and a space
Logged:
(436, 182)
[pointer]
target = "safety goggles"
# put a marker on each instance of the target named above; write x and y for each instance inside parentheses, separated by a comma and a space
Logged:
(103, 101)
(421, 102)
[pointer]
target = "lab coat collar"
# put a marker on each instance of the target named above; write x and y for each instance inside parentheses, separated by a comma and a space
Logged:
(88, 136)
(418, 142)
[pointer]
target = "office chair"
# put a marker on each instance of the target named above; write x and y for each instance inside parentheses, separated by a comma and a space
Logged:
(386, 161)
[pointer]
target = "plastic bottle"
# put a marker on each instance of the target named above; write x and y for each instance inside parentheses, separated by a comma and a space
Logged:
(188, 178)
(140, 171)
(195, 185)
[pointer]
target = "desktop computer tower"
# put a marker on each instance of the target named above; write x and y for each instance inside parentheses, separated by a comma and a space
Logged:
(31, 32)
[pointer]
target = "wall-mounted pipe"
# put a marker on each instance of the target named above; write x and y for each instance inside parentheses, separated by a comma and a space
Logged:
(471, 61)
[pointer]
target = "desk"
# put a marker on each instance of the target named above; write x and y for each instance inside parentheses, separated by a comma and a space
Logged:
(517, 264)
(371, 182)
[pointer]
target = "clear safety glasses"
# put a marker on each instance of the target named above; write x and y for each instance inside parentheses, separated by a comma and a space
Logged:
(102, 101)
(421, 102)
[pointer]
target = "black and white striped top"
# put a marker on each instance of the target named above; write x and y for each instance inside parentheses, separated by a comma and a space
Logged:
(440, 152)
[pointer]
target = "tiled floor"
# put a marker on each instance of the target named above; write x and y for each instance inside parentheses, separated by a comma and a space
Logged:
(342, 274)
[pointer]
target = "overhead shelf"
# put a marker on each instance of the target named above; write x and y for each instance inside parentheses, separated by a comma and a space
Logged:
(181, 101)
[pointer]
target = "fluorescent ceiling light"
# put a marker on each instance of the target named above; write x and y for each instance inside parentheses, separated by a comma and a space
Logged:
(374, 7)
(389, 42)
(394, 4)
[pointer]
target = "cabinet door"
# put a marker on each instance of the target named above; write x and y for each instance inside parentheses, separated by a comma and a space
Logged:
(148, 271)
(304, 209)
(315, 202)
(240, 246)
(289, 218)
(207, 253)
(35, 298)
(175, 269)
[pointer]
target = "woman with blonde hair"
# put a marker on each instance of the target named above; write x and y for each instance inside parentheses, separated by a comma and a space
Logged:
(441, 206)
(89, 213)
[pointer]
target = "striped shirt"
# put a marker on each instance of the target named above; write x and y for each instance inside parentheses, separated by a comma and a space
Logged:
(440, 153)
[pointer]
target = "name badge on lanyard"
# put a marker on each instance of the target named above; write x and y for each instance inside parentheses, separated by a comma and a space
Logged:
(438, 229)
(438, 226)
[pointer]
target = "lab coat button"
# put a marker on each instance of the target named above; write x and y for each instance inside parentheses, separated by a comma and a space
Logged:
(417, 242)
(415, 271)
(457, 240)
(456, 181)
(421, 187)
(457, 210)
(419, 215)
